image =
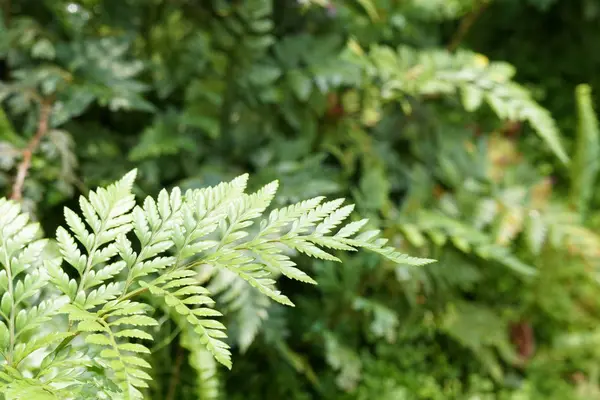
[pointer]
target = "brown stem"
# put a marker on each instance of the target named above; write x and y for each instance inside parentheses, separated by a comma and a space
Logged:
(23, 168)
(523, 338)
(6, 6)
(465, 25)
(175, 376)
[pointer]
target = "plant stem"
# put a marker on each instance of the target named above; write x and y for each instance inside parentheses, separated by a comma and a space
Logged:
(465, 25)
(23, 168)
(175, 376)
(11, 321)
(6, 7)
(135, 293)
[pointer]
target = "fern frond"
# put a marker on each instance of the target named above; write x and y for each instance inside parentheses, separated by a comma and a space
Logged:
(175, 234)
(344, 361)
(247, 307)
(21, 279)
(586, 161)
(203, 211)
(255, 260)
(510, 101)
(469, 239)
(202, 361)
(108, 214)
(536, 231)
(469, 74)
(154, 226)
(121, 357)
(182, 293)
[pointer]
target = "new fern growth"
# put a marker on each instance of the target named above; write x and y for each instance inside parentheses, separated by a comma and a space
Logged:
(115, 253)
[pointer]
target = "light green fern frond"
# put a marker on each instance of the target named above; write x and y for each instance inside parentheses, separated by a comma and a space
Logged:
(495, 227)
(107, 214)
(207, 379)
(247, 307)
(23, 310)
(97, 299)
(344, 361)
(468, 239)
(471, 75)
(478, 80)
(120, 251)
(21, 280)
(182, 293)
(308, 232)
(539, 226)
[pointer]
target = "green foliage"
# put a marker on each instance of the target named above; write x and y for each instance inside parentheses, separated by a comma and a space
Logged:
(434, 72)
(585, 168)
(451, 125)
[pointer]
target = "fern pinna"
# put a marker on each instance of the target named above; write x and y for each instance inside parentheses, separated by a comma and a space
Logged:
(115, 252)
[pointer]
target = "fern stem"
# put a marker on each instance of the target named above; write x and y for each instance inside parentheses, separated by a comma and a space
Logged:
(115, 347)
(141, 290)
(185, 243)
(88, 265)
(128, 296)
(6, 10)
(139, 258)
(175, 377)
(11, 319)
(166, 341)
(466, 24)
(134, 293)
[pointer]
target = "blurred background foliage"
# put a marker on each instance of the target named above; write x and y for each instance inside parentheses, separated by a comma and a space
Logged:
(465, 129)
